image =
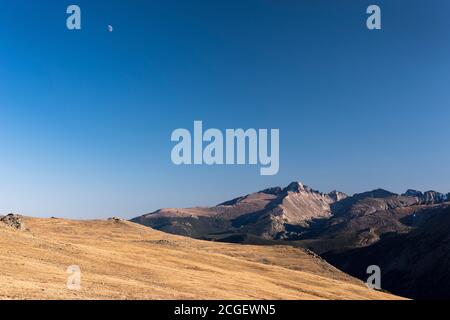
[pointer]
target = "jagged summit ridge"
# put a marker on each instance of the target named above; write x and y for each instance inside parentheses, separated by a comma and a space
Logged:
(428, 197)
(286, 213)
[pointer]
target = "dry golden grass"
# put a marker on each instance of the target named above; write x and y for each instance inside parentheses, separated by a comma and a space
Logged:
(123, 260)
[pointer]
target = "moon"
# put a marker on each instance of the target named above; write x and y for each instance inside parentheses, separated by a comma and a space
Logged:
(110, 28)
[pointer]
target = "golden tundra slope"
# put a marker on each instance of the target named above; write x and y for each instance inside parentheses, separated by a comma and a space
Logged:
(123, 260)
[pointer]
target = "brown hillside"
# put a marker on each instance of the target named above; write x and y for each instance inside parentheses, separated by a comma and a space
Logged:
(123, 260)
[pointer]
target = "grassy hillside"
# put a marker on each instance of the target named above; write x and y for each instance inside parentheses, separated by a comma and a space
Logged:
(123, 260)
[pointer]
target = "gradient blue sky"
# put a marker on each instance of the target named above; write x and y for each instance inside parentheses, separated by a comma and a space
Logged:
(86, 116)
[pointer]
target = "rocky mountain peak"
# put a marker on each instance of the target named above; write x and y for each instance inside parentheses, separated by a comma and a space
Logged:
(377, 193)
(428, 197)
(431, 197)
(413, 193)
(296, 186)
(274, 191)
(337, 195)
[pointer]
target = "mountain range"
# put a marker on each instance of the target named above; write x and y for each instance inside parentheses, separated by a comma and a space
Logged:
(407, 234)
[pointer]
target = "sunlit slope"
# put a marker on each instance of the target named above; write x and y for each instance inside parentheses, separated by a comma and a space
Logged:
(123, 260)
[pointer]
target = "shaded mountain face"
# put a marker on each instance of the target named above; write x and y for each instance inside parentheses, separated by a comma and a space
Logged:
(351, 232)
(362, 220)
(407, 236)
(415, 264)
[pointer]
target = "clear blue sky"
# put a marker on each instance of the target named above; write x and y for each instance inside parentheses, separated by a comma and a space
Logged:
(86, 116)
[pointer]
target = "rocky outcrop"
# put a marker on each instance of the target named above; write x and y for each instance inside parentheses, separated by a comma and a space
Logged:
(13, 221)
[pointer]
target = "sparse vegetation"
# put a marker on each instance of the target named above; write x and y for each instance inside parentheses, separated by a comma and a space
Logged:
(129, 261)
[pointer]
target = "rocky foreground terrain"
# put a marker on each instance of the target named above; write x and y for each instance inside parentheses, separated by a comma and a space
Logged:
(407, 234)
(124, 260)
